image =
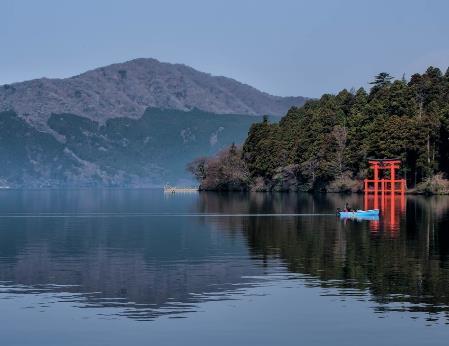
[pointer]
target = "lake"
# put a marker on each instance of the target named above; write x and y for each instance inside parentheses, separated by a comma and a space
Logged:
(140, 267)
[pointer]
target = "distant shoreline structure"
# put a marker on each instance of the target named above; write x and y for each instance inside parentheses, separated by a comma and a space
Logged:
(174, 189)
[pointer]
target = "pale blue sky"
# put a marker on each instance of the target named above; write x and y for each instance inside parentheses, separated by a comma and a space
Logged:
(283, 47)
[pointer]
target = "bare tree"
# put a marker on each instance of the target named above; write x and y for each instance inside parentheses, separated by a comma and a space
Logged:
(310, 167)
(198, 168)
(340, 134)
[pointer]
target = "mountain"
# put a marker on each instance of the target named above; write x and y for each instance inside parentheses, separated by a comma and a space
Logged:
(127, 89)
(136, 123)
(147, 151)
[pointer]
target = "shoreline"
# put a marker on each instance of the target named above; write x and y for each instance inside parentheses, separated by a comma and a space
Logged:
(411, 192)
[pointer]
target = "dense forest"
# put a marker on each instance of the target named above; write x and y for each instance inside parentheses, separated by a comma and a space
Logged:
(149, 151)
(324, 145)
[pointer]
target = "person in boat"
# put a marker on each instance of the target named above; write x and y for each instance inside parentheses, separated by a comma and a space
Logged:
(347, 207)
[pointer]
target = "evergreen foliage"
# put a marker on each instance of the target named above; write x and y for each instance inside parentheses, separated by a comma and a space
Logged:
(148, 151)
(332, 138)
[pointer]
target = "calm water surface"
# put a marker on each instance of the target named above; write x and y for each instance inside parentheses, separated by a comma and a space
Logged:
(137, 267)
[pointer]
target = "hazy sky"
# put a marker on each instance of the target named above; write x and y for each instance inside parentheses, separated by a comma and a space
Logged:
(283, 47)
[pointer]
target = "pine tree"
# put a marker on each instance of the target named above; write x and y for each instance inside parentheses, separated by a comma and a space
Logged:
(382, 79)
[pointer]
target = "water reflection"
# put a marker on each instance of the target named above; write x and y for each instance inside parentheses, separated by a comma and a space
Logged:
(392, 207)
(164, 255)
(402, 259)
(145, 266)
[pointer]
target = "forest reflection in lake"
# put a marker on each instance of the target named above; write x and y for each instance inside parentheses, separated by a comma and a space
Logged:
(140, 254)
(402, 258)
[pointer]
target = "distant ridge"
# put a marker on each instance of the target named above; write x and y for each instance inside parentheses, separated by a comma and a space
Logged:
(127, 89)
(136, 123)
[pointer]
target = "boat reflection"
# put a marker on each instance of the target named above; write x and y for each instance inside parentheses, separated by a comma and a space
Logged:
(362, 218)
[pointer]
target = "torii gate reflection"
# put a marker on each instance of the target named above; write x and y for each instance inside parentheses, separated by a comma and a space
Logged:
(377, 189)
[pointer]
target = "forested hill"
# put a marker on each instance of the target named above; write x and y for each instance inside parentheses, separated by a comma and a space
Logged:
(123, 152)
(325, 144)
(136, 123)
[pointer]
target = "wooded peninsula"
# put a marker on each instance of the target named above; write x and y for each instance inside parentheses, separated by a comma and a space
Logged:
(325, 144)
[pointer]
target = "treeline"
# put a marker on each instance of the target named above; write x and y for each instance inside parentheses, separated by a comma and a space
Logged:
(325, 145)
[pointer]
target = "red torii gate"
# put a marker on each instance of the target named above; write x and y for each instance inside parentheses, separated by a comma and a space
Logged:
(391, 185)
(383, 185)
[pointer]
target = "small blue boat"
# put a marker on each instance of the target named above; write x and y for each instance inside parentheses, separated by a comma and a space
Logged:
(373, 213)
